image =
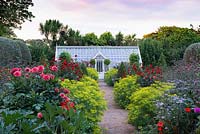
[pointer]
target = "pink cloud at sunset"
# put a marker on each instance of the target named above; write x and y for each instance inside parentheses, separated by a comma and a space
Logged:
(127, 16)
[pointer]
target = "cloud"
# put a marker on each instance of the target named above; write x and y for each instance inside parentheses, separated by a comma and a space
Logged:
(128, 16)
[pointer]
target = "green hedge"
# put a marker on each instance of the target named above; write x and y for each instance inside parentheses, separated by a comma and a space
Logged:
(40, 50)
(89, 99)
(142, 107)
(124, 89)
(92, 73)
(14, 51)
(110, 76)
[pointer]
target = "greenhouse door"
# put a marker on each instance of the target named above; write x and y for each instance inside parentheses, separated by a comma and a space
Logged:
(99, 64)
(100, 68)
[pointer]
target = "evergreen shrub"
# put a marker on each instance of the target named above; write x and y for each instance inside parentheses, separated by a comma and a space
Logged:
(192, 53)
(13, 51)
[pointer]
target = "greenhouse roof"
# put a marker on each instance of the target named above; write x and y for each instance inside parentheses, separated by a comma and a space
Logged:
(116, 54)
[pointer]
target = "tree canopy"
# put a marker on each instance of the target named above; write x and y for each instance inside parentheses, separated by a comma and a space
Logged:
(173, 42)
(14, 12)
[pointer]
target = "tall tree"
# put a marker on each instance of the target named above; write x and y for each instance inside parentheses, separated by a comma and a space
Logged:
(130, 40)
(13, 13)
(119, 39)
(6, 31)
(45, 29)
(73, 38)
(175, 40)
(151, 50)
(51, 29)
(106, 39)
(63, 35)
(90, 39)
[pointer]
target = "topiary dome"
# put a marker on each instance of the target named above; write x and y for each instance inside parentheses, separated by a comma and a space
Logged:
(192, 53)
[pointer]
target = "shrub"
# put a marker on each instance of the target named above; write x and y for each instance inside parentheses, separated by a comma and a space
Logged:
(107, 62)
(162, 62)
(174, 42)
(65, 56)
(150, 51)
(29, 88)
(40, 50)
(183, 71)
(134, 59)
(110, 76)
(13, 51)
(122, 70)
(171, 109)
(124, 89)
(92, 73)
(26, 55)
(92, 62)
(83, 67)
(146, 75)
(192, 53)
(142, 107)
(89, 99)
(70, 70)
(53, 119)
(35, 93)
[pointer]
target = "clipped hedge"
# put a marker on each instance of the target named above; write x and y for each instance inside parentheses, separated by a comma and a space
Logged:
(92, 73)
(192, 53)
(142, 107)
(110, 76)
(26, 55)
(124, 89)
(89, 99)
(13, 51)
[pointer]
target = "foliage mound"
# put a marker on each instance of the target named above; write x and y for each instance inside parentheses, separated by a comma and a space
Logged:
(13, 51)
(192, 53)
(124, 89)
(171, 41)
(107, 62)
(146, 75)
(65, 56)
(142, 107)
(92, 73)
(92, 62)
(110, 76)
(33, 102)
(176, 109)
(89, 98)
(71, 70)
(40, 50)
(134, 59)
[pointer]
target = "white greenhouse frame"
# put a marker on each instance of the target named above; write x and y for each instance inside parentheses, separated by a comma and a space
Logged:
(115, 54)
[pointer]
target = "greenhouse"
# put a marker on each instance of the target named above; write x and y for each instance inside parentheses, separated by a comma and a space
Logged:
(115, 54)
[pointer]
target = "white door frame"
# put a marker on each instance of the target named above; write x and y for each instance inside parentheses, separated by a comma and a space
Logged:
(100, 66)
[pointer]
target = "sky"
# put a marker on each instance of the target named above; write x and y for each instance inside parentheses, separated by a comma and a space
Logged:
(138, 17)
